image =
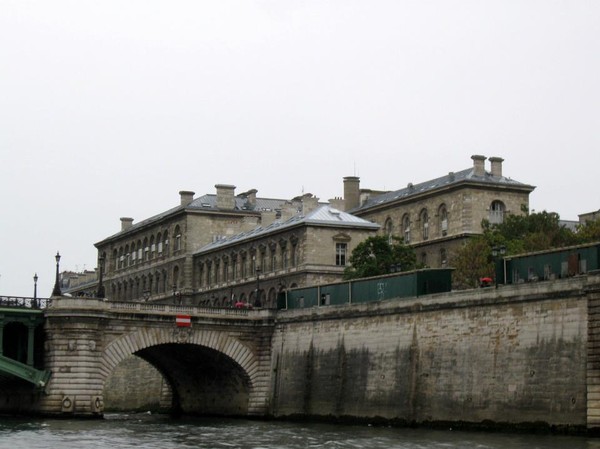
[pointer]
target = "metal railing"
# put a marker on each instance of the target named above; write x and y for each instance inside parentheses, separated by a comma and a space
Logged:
(24, 302)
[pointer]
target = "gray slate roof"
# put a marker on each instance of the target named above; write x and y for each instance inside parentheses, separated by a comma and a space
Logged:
(206, 202)
(444, 181)
(324, 215)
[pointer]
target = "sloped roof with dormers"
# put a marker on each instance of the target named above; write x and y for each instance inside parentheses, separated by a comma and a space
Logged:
(324, 215)
(452, 179)
(206, 203)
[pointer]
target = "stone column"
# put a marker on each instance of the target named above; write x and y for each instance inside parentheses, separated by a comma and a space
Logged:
(74, 332)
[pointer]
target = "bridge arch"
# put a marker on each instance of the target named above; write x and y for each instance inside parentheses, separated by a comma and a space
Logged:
(209, 371)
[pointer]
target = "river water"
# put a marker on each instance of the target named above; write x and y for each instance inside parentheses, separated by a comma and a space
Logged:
(159, 431)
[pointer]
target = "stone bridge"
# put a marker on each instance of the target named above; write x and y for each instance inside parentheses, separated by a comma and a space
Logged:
(219, 364)
(526, 354)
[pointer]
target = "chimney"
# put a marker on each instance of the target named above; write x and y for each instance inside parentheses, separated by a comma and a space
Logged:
(496, 166)
(186, 197)
(309, 203)
(351, 192)
(288, 210)
(250, 197)
(478, 165)
(126, 223)
(267, 217)
(337, 203)
(225, 196)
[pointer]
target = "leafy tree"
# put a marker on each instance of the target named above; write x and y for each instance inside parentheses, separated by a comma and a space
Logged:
(534, 231)
(589, 232)
(473, 262)
(375, 256)
(517, 234)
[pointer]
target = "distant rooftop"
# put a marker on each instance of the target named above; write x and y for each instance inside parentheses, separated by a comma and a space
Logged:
(324, 215)
(467, 175)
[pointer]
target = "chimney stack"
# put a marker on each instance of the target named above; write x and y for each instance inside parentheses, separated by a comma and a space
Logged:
(126, 223)
(337, 203)
(309, 203)
(225, 196)
(478, 165)
(351, 192)
(186, 197)
(496, 166)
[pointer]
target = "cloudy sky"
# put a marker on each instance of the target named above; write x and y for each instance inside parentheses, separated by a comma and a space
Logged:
(110, 108)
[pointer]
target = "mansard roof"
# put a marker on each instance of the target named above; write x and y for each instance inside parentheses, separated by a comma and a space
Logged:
(467, 176)
(242, 204)
(324, 215)
(205, 203)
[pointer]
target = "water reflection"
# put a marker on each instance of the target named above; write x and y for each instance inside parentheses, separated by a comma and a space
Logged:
(156, 431)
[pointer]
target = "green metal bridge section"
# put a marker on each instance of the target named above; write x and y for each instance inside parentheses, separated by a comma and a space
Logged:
(21, 340)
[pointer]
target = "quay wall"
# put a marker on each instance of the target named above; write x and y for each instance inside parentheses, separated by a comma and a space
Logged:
(512, 355)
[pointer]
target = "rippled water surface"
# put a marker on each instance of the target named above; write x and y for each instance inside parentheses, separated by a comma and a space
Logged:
(155, 431)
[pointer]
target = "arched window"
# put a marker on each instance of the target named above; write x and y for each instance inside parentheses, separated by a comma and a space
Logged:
(443, 220)
(152, 248)
(406, 228)
(177, 237)
(497, 210)
(159, 244)
(225, 269)
(146, 249)
(389, 229)
(166, 243)
(424, 224)
(443, 258)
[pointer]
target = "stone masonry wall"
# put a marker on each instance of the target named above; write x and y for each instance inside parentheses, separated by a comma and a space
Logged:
(512, 355)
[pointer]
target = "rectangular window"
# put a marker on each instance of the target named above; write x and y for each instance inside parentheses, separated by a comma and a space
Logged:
(341, 250)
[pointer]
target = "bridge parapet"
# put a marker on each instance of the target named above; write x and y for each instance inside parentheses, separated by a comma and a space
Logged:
(101, 305)
(24, 302)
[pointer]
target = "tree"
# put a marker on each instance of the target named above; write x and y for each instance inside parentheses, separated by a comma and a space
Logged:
(376, 256)
(473, 262)
(589, 231)
(517, 234)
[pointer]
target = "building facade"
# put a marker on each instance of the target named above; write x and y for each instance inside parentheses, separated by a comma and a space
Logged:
(207, 249)
(436, 217)
(311, 247)
(153, 259)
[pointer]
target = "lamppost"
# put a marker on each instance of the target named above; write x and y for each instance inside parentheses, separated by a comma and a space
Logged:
(257, 301)
(56, 291)
(35, 279)
(100, 293)
(497, 253)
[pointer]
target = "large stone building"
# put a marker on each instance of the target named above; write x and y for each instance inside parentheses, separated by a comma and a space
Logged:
(436, 217)
(310, 247)
(206, 249)
(153, 259)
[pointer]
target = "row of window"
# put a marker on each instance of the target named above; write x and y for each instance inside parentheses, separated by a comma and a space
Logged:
(231, 268)
(144, 286)
(243, 265)
(496, 215)
(144, 250)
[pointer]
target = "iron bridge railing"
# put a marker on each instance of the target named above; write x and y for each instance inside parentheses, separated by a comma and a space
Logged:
(24, 302)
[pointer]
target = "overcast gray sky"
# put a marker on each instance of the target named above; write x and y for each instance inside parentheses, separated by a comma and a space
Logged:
(109, 108)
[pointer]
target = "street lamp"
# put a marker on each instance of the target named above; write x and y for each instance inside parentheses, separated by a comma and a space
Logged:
(101, 293)
(56, 291)
(35, 279)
